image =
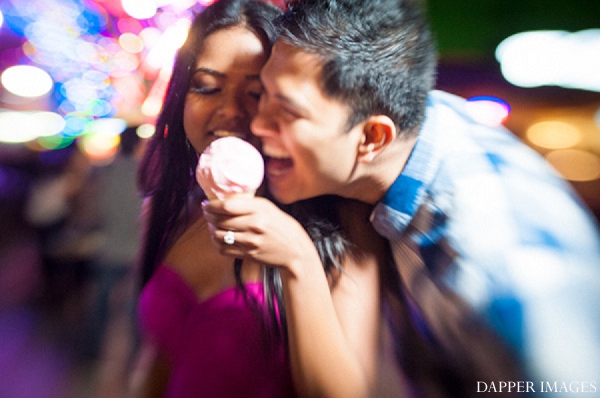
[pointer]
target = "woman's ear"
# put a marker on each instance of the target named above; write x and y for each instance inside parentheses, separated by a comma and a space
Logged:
(378, 132)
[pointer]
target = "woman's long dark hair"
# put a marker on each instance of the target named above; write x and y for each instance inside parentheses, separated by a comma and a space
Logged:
(320, 218)
(166, 176)
(166, 173)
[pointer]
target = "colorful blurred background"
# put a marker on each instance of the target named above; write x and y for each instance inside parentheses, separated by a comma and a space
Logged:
(81, 82)
(78, 72)
(539, 60)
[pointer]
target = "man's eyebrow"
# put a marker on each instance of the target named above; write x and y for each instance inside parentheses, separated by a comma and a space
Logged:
(299, 108)
(284, 98)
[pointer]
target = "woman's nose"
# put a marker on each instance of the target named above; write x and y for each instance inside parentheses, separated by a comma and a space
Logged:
(232, 107)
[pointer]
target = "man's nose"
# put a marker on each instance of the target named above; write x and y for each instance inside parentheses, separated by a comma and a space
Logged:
(262, 125)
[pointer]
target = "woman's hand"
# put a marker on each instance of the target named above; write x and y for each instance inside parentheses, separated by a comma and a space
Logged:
(332, 330)
(261, 231)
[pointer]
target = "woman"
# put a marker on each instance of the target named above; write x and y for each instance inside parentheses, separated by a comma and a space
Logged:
(234, 339)
(207, 333)
(334, 318)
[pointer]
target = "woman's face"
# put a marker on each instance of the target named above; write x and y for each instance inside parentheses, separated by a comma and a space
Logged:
(224, 87)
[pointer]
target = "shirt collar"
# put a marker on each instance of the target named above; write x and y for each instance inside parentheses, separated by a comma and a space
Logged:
(404, 197)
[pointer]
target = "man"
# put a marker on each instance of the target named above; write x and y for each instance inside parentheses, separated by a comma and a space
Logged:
(498, 264)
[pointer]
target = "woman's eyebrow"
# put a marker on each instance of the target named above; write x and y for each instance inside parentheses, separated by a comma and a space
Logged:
(221, 75)
(209, 71)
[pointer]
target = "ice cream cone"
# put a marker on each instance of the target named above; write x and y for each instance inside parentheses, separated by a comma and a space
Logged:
(230, 167)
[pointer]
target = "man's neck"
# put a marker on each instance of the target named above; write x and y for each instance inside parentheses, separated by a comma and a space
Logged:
(375, 178)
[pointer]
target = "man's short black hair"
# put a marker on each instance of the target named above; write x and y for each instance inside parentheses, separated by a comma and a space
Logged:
(378, 55)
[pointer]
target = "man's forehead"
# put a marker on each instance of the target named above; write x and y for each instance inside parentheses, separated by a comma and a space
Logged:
(288, 59)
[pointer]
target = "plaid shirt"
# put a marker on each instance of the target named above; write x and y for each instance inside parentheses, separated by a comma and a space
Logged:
(498, 260)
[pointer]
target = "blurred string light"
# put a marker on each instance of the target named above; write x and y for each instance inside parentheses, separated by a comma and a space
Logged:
(488, 110)
(558, 58)
(105, 58)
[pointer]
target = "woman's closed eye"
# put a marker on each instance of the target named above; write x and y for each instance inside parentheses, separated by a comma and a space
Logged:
(206, 81)
(206, 90)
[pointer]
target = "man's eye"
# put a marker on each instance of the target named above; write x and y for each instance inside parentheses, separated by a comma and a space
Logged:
(289, 113)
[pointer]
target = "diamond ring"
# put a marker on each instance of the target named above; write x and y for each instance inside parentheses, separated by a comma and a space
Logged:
(229, 238)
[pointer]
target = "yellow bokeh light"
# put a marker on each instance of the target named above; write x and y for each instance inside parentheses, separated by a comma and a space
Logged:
(553, 135)
(575, 164)
(145, 130)
(151, 106)
(99, 148)
(131, 43)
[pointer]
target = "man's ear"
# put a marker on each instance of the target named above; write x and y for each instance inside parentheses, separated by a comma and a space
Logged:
(378, 132)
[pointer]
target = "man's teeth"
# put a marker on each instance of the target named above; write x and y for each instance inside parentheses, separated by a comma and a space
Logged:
(273, 153)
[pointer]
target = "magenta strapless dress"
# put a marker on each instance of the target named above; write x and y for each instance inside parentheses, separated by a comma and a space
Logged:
(217, 347)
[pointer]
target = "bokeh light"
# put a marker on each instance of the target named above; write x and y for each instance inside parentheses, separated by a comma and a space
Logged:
(553, 134)
(575, 164)
(53, 142)
(26, 81)
(145, 130)
(488, 110)
(559, 58)
(139, 9)
(21, 127)
(107, 127)
(99, 148)
(97, 59)
(131, 42)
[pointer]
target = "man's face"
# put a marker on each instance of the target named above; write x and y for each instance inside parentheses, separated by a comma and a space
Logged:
(308, 150)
